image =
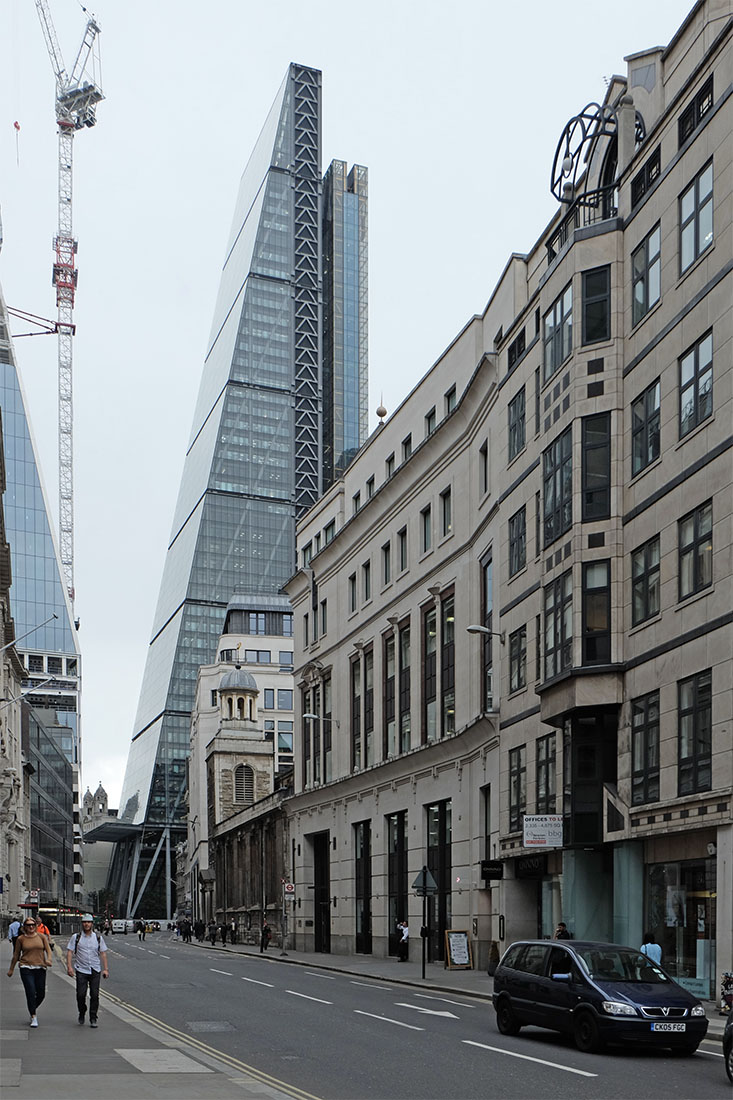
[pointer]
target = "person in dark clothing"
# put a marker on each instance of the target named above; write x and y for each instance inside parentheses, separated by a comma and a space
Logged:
(211, 931)
(265, 935)
(223, 933)
(141, 929)
(561, 932)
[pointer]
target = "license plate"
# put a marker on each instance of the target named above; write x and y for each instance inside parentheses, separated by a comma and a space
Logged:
(668, 1027)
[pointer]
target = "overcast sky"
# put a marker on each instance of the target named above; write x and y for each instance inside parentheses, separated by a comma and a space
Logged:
(455, 109)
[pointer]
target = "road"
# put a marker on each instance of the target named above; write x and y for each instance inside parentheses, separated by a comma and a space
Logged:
(342, 1038)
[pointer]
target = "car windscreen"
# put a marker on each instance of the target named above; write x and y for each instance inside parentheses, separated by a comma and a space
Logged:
(614, 964)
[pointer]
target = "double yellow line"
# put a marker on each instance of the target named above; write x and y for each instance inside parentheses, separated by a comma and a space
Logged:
(212, 1052)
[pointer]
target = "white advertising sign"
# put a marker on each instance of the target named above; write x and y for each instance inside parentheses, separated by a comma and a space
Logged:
(542, 831)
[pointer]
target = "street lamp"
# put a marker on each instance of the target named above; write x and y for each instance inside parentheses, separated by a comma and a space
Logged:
(475, 629)
(31, 631)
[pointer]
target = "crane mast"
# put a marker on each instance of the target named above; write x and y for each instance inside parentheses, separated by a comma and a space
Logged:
(77, 96)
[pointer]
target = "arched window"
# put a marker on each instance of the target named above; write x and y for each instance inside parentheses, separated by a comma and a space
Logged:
(244, 784)
(240, 707)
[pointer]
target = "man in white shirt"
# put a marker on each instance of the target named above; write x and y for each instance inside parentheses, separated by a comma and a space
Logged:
(86, 959)
(13, 931)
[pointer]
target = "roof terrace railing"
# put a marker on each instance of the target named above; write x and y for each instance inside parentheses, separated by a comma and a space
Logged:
(587, 209)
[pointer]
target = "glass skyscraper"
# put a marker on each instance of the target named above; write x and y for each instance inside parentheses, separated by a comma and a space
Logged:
(254, 462)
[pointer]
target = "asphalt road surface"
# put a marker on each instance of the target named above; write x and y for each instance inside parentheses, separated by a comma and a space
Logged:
(342, 1038)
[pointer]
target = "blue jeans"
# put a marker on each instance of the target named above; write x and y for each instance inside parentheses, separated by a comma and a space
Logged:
(34, 983)
(92, 982)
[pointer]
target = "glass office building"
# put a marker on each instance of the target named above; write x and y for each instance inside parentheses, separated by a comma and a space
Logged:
(254, 462)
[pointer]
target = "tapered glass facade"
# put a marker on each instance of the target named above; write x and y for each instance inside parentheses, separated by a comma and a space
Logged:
(254, 463)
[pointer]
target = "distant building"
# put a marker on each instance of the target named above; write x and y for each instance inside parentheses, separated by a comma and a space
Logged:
(98, 854)
(524, 677)
(52, 789)
(255, 459)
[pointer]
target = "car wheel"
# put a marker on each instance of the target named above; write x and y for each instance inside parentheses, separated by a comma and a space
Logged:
(585, 1031)
(729, 1063)
(684, 1050)
(506, 1021)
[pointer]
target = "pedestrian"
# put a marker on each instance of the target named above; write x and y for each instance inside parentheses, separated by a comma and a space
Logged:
(403, 946)
(86, 959)
(13, 931)
(233, 931)
(561, 932)
(141, 930)
(265, 935)
(651, 948)
(44, 930)
(32, 953)
(223, 933)
(199, 930)
(212, 933)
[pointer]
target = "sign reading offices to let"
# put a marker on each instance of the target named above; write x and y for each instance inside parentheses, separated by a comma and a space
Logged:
(542, 831)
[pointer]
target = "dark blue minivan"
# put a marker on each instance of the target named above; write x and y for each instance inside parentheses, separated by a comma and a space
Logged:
(597, 992)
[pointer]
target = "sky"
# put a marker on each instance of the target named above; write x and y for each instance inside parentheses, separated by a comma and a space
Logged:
(456, 110)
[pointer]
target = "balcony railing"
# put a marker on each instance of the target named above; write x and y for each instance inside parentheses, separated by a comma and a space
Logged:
(588, 209)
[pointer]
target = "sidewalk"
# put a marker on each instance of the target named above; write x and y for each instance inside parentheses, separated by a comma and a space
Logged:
(127, 1058)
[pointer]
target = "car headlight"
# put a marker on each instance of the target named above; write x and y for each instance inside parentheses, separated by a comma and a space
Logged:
(618, 1008)
(698, 1010)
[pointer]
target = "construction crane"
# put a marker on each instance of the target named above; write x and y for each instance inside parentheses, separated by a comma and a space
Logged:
(77, 96)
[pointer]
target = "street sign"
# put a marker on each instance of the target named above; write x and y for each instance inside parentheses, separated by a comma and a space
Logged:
(542, 831)
(425, 884)
(492, 868)
(289, 891)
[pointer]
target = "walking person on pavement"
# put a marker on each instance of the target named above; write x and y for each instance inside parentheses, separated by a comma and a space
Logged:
(211, 932)
(265, 935)
(13, 931)
(32, 953)
(141, 930)
(86, 959)
(651, 949)
(223, 930)
(403, 946)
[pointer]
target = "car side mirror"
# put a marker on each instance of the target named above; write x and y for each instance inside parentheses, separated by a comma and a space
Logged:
(561, 977)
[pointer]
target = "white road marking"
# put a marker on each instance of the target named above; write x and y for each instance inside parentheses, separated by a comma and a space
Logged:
(529, 1058)
(315, 974)
(165, 956)
(255, 982)
(211, 968)
(426, 1011)
(368, 985)
(461, 1004)
(387, 1020)
(710, 1053)
(151, 952)
(307, 998)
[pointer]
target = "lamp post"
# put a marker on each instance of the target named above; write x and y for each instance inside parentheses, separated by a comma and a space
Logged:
(475, 629)
(31, 631)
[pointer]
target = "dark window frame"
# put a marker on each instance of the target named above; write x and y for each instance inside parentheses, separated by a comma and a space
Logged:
(646, 427)
(518, 541)
(596, 609)
(645, 581)
(646, 270)
(598, 299)
(699, 204)
(558, 332)
(701, 396)
(643, 180)
(595, 470)
(557, 483)
(517, 786)
(518, 659)
(695, 112)
(517, 424)
(698, 548)
(558, 613)
(516, 349)
(546, 774)
(645, 749)
(694, 733)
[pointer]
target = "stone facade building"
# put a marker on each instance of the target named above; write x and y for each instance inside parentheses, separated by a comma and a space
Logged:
(513, 611)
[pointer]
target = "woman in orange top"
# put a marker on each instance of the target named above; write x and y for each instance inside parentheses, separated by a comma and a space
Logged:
(33, 955)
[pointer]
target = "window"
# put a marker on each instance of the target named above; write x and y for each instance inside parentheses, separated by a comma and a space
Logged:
(54, 666)
(329, 532)
(389, 466)
(643, 180)
(696, 217)
(696, 384)
(545, 778)
(645, 582)
(307, 554)
(327, 731)
(557, 480)
(366, 581)
(446, 513)
(559, 625)
(356, 713)
(517, 786)
(430, 641)
(596, 613)
(537, 391)
(370, 487)
(450, 400)
(284, 737)
(286, 656)
(306, 630)
(518, 659)
(402, 549)
(215, 698)
(695, 733)
(646, 275)
(317, 543)
(448, 665)
(693, 114)
(426, 530)
(430, 422)
(597, 305)
(352, 592)
(696, 550)
(645, 434)
(244, 784)
(355, 503)
(645, 749)
(386, 563)
(558, 332)
(284, 699)
(324, 617)
(388, 697)
(483, 467)
(368, 707)
(518, 541)
(516, 425)
(596, 467)
(269, 698)
(404, 688)
(516, 349)
(72, 666)
(487, 647)
(406, 448)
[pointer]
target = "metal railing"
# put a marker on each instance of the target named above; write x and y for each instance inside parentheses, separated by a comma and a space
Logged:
(587, 209)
